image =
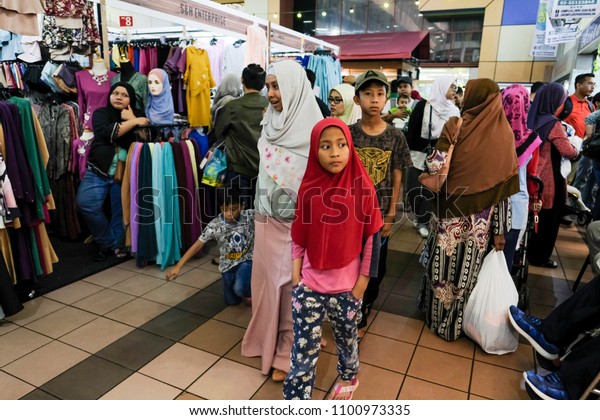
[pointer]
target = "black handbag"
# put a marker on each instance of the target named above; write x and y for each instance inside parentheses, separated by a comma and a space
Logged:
(591, 147)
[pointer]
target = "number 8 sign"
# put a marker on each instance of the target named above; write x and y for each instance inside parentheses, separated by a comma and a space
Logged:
(126, 20)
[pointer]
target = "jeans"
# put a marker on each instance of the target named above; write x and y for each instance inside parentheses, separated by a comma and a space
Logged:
(236, 283)
(418, 197)
(90, 199)
(512, 238)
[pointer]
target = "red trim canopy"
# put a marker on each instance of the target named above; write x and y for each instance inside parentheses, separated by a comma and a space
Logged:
(381, 46)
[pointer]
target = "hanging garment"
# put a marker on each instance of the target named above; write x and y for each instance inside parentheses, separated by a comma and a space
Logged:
(92, 93)
(233, 59)
(147, 249)
(158, 200)
(199, 80)
(256, 51)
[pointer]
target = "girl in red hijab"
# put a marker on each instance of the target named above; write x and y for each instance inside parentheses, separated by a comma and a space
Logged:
(335, 252)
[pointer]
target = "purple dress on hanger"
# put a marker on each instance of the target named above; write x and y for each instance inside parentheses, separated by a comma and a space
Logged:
(133, 188)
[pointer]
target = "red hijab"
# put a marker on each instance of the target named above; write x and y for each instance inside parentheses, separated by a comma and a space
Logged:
(335, 214)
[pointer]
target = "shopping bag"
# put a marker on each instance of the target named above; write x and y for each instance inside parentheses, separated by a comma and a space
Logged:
(486, 312)
(215, 169)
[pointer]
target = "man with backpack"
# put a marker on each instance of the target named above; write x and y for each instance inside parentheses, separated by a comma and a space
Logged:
(573, 112)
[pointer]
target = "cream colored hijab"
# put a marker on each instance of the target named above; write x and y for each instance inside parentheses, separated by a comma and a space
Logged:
(352, 112)
(285, 139)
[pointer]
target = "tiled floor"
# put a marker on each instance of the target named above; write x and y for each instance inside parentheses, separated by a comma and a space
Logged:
(126, 333)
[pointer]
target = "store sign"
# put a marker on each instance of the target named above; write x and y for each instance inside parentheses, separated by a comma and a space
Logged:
(567, 9)
(126, 21)
(590, 34)
(539, 48)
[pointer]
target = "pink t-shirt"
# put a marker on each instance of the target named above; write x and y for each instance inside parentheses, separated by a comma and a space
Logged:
(336, 280)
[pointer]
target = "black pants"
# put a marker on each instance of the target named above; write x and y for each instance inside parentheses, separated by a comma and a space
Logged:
(418, 197)
(576, 315)
(541, 244)
(372, 290)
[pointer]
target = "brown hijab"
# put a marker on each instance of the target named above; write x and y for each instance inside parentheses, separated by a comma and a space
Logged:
(484, 164)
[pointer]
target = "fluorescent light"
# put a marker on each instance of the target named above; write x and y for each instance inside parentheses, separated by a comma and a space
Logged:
(308, 21)
(299, 15)
(323, 13)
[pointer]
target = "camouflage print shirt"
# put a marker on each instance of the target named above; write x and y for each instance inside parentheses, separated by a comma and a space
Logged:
(381, 154)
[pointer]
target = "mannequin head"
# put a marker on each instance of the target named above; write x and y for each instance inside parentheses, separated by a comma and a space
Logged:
(155, 82)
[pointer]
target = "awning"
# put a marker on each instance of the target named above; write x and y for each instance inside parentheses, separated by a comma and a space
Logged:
(382, 46)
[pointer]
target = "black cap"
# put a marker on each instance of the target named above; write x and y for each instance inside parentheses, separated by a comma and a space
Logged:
(405, 79)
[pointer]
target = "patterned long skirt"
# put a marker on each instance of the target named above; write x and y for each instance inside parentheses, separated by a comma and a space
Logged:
(452, 258)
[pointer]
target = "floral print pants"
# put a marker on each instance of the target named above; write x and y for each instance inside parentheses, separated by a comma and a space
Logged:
(308, 309)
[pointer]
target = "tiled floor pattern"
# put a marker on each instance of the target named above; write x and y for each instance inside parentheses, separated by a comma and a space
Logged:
(126, 333)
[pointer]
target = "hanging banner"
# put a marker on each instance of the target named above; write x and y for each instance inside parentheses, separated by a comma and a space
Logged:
(566, 9)
(559, 31)
(539, 48)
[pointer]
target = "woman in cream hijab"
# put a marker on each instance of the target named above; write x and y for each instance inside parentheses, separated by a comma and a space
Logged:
(341, 103)
(283, 146)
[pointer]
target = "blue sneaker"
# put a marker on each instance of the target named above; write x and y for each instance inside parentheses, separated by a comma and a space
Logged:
(549, 387)
(529, 327)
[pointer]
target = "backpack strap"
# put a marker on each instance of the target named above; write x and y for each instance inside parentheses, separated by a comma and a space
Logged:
(567, 108)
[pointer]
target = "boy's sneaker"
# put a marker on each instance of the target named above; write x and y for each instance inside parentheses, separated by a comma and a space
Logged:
(549, 387)
(529, 327)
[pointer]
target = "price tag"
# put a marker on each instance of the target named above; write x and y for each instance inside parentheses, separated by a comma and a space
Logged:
(126, 20)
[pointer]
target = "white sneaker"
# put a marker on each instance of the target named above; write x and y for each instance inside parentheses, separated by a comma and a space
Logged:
(423, 231)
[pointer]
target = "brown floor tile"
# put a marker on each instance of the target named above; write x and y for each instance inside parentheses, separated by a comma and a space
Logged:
(521, 359)
(186, 396)
(130, 265)
(104, 301)
(198, 278)
(138, 284)
(203, 303)
(574, 263)
(18, 343)
(580, 251)
(548, 272)
(140, 387)
(96, 335)
(235, 354)
(547, 297)
(417, 389)
(7, 326)
(61, 322)
(45, 363)
(464, 346)
(170, 294)
(540, 311)
(137, 312)
(215, 337)
(402, 305)
(111, 276)
(386, 353)
(156, 272)
(497, 383)
(326, 371)
(548, 283)
(67, 385)
(196, 261)
(74, 292)
(477, 397)
(12, 388)
(209, 266)
(397, 327)
(238, 315)
(377, 383)
(228, 380)
(270, 390)
(179, 365)
(398, 245)
(35, 309)
(448, 370)
(571, 274)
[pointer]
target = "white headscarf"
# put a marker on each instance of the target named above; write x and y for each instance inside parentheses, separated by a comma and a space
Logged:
(443, 108)
(285, 139)
(352, 112)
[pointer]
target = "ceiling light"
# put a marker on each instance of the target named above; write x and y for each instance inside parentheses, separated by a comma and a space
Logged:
(386, 5)
(351, 10)
(299, 15)
(417, 2)
(274, 15)
(323, 13)
(420, 14)
(308, 21)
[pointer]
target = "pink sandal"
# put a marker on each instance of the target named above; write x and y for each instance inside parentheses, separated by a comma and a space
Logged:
(349, 389)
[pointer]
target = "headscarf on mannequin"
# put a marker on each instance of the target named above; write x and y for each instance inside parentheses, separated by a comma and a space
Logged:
(160, 108)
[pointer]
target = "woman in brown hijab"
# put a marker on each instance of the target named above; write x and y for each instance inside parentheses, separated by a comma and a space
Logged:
(472, 208)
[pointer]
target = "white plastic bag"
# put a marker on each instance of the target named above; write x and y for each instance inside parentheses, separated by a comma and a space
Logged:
(485, 317)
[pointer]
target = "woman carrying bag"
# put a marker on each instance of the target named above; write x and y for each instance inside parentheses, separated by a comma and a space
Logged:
(471, 209)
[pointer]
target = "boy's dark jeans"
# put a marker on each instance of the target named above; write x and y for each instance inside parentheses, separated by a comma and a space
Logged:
(373, 287)
(236, 283)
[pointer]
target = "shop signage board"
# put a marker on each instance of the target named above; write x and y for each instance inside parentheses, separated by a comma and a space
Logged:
(126, 21)
(539, 47)
(590, 34)
(567, 9)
